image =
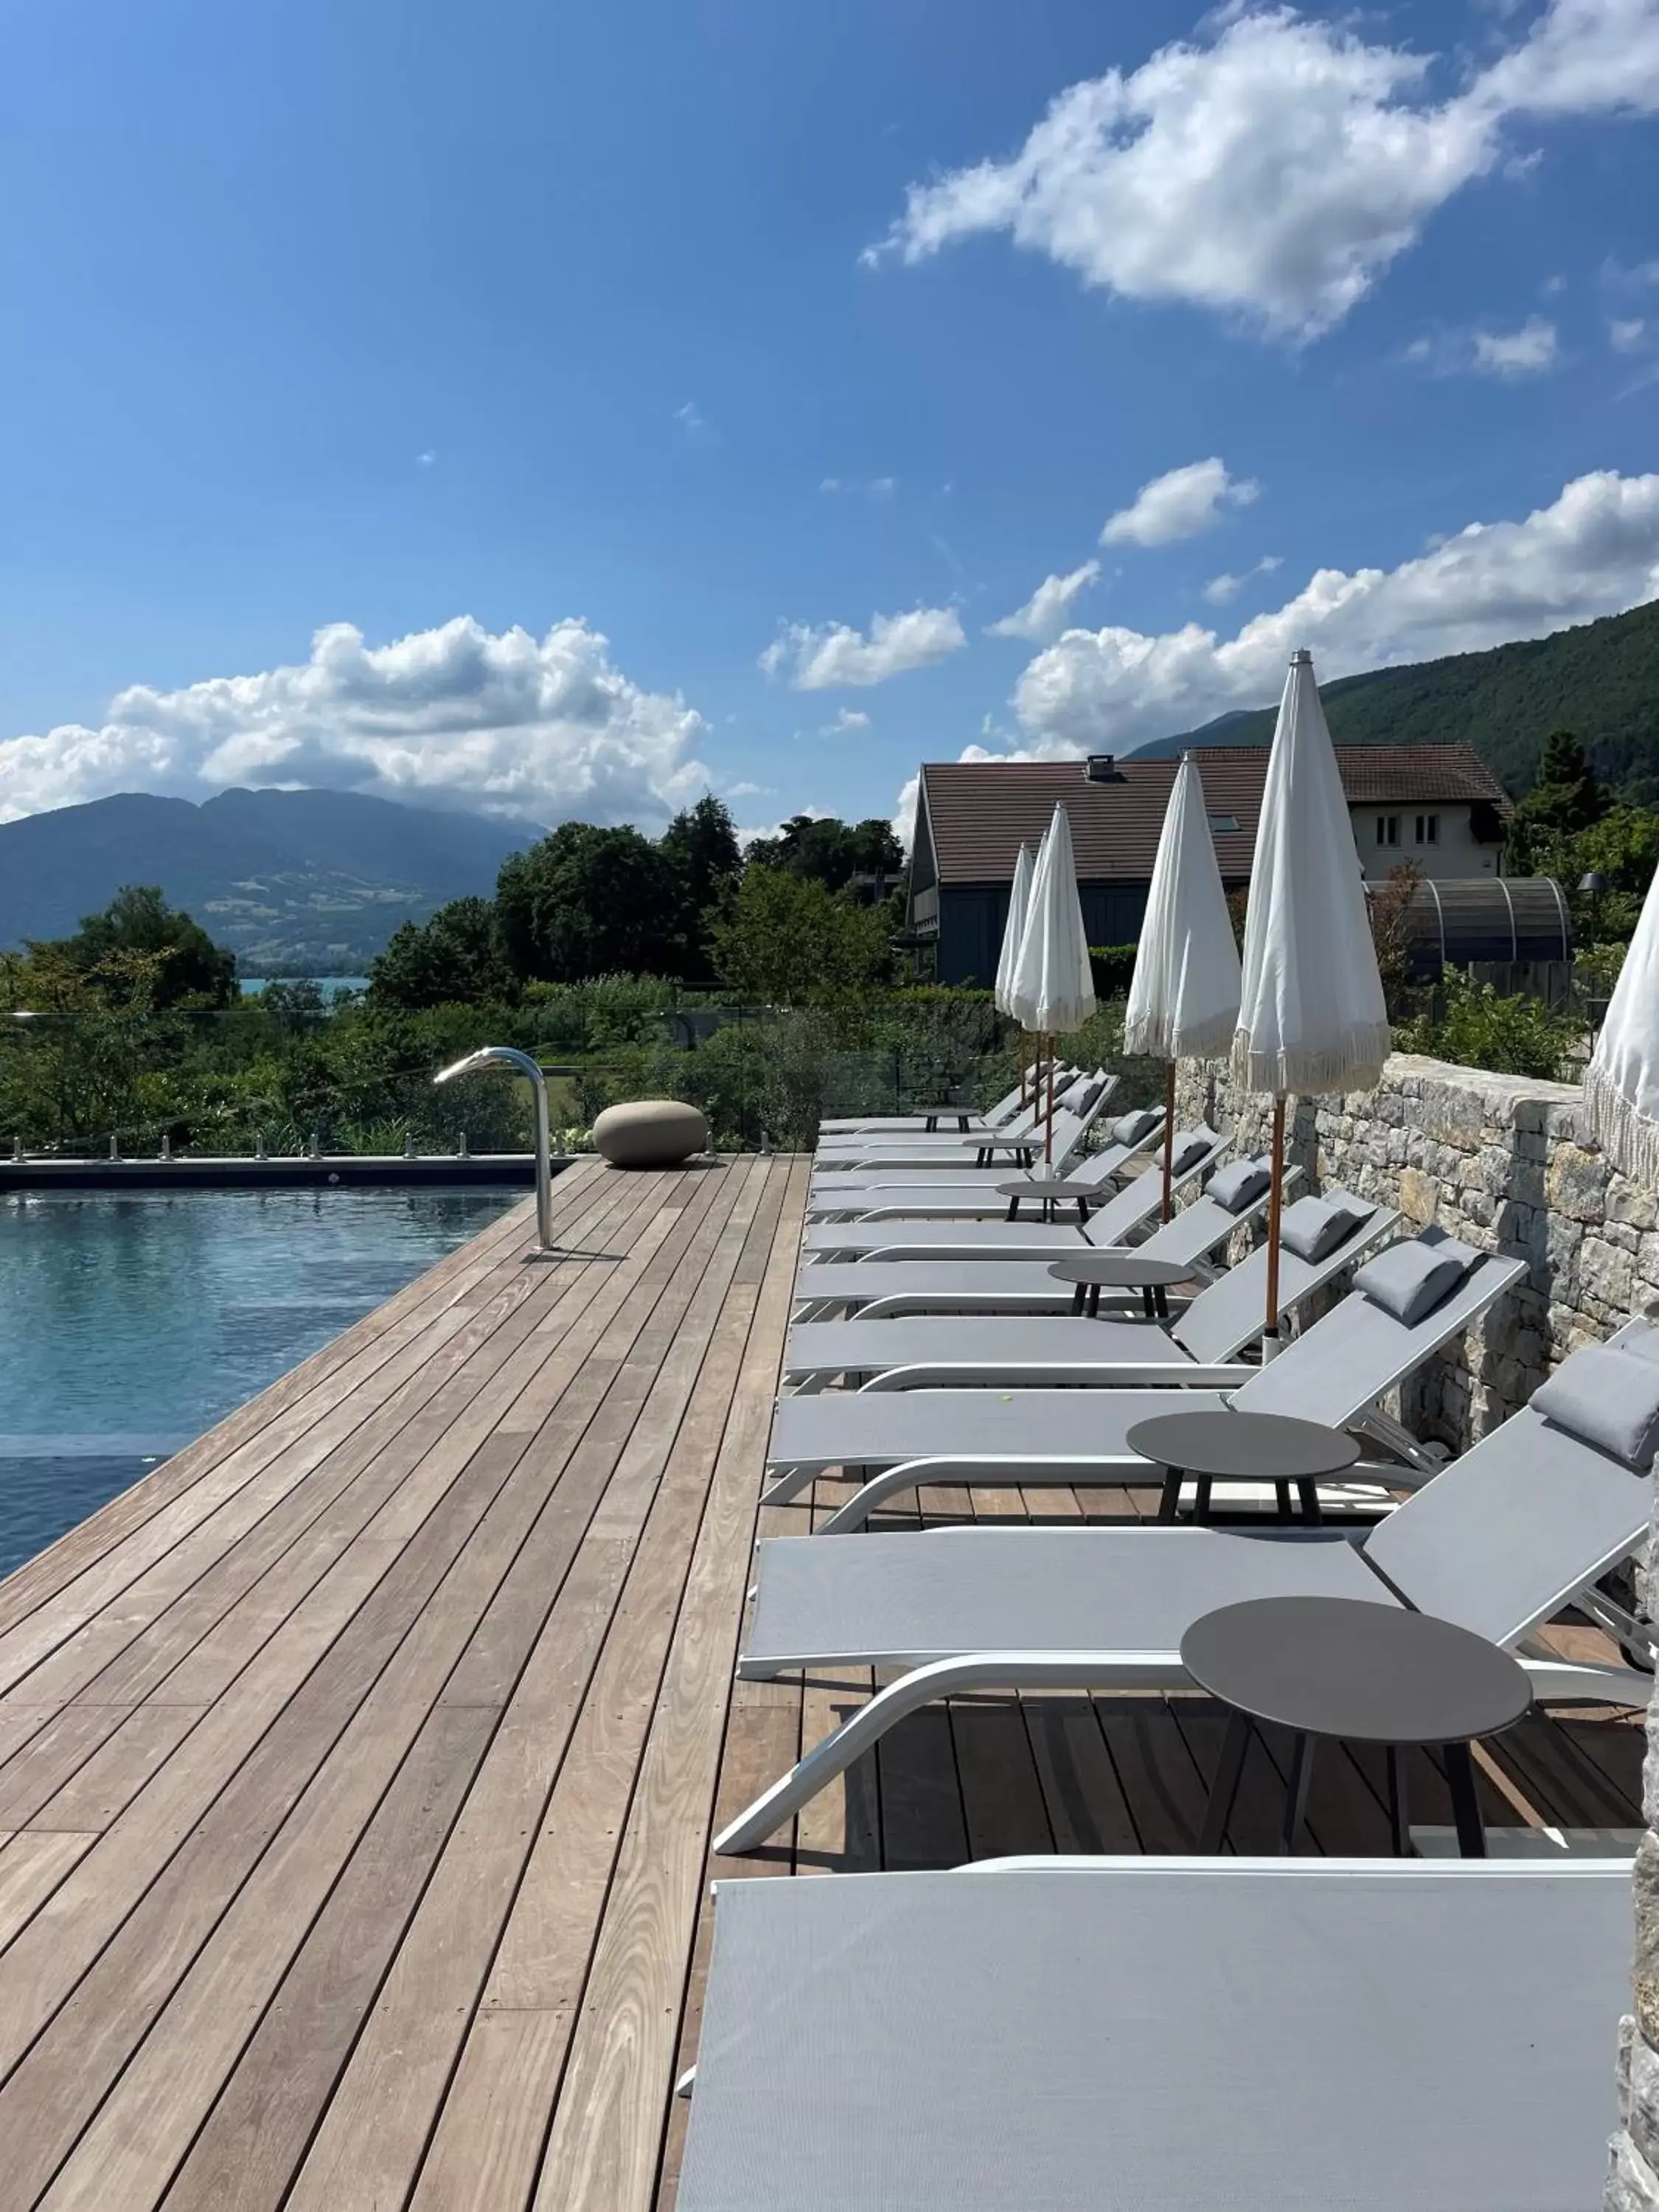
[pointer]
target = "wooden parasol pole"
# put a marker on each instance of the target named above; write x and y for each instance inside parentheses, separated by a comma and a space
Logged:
(1275, 1208)
(1049, 1126)
(1168, 1208)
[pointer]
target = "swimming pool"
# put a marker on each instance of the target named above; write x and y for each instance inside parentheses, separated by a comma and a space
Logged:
(134, 1319)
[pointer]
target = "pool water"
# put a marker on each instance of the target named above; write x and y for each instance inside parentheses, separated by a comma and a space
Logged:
(131, 1320)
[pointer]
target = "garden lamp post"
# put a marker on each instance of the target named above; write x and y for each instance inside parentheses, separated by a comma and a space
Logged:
(521, 1064)
(1592, 886)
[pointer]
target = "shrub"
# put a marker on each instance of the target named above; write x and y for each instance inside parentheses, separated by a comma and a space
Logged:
(1472, 1025)
(1114, 967)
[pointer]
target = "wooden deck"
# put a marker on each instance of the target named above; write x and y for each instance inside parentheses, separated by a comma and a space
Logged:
(357, 1767)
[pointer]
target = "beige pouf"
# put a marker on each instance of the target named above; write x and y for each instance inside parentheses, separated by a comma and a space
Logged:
(650, 1133)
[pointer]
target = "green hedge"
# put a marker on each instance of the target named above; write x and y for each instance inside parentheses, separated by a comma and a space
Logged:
(1113, 966)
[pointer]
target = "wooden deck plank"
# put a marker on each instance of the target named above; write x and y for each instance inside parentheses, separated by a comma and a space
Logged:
(370, 1598)
(402, 2065)
(606, 2142)
(514, 2051)
(312, 1786)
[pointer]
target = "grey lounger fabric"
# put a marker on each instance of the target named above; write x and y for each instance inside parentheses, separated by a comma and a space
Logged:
(993, 1117)
(1212, 1332)
(904, 1236)
(906, 1598)
(1143, 2036)
(979, 1192)
(944, 1285)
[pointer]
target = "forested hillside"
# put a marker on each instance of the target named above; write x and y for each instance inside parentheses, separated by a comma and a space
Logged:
(1600, 680)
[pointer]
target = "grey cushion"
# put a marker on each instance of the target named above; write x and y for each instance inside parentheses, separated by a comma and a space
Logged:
(1607, 1397)
(1314, 1227)
(1190, 1146)
(1240, 1184)
(650, 1133)
(1409, 1279)
(1086, 1098)
(1129, 1128)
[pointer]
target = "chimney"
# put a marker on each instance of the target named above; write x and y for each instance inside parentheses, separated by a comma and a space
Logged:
(1101, 768)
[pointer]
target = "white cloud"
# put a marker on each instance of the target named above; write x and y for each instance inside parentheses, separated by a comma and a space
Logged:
(537, 729)
(1222, 588)
(1594, 551)
(1530, 351)
(848, 720)
(1274, 171)
(865, 487)
(817, 660)
(1179, 504)
(425, 460)
(692, 420)
(1526, 352)
(1045, 613)
(1625, 336)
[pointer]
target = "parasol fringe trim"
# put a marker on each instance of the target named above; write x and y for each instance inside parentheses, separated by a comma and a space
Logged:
(1629, 1139)
(1356, 1066)
(1156, 1035)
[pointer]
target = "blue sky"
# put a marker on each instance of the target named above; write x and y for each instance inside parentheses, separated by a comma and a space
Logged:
(631, 398)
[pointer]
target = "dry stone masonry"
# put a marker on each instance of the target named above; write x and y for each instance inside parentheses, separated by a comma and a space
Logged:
(1496, 1160)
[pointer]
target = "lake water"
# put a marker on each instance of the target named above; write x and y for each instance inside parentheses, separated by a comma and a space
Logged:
(134, 1319)
(329, 985)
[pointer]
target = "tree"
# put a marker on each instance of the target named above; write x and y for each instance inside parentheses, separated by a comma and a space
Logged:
(826, 851)
(454, 959)
(588, 901)
(700, 845)
(191, 969)
(783, 939)
(1565, 800)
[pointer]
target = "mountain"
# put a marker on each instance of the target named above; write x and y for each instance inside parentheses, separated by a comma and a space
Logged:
(295, 882)
(1600, 679)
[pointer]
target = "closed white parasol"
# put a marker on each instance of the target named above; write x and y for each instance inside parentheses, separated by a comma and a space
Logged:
(1020, 898)
(1311, 1014)
(1053, 990)
(1183, 997)
(1621, 1083)
(1013, 930)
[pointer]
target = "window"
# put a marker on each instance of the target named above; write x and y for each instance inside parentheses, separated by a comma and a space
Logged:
(1388, 828)
(1223, 824)
(1428, 829)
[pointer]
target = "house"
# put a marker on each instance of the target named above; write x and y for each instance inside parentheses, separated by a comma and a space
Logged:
(1438, 805)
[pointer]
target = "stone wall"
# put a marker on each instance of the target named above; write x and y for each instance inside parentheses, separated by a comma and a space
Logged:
(1496, 1160)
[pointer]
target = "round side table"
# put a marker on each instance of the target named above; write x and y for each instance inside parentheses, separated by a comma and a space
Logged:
(1362, 1673)
(1048, 1191)
(1092, 1272)
(1231, 1447)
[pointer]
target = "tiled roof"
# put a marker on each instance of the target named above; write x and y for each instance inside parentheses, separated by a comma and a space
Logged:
(982, 811)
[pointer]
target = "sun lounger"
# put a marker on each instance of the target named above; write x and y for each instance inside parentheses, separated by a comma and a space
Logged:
(997, 1351)
(1071, 1095)
(994, 1117)
(972, 1194)
(876, 1288)
(1157, 2035)
(1007, 1150)
(974, 1237)
(1498, 1543)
